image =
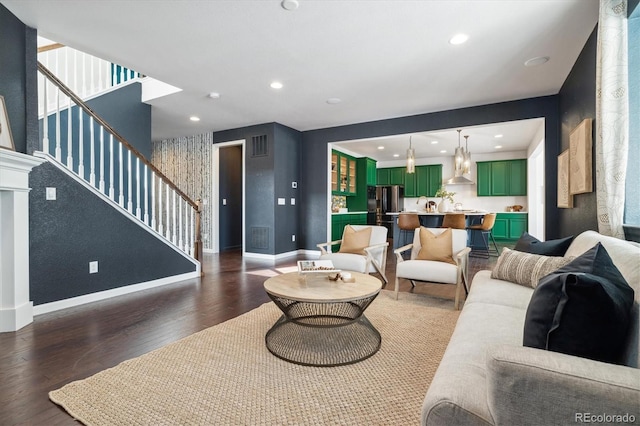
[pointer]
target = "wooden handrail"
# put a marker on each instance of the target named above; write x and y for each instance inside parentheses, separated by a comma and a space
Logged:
(64, 89)
(48, 47)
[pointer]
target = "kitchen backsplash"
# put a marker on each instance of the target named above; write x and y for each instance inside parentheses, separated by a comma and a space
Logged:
(338, 202)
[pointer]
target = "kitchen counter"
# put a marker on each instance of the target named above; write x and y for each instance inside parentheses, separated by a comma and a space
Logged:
(349, 213)
(424, 213)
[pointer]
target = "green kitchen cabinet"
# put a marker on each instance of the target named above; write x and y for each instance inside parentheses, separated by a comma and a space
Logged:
(410, 184)
(396, 176)
(365, 168)
(372, 177)
(428, 180)
(502, 178)
(510, 226)
(343, 174)
(383, 176)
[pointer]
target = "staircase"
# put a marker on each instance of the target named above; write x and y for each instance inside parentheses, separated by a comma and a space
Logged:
(79, 142)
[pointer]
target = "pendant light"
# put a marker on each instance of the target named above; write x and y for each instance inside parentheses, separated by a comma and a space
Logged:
(458, 158)
(411, 158)
(466, 162)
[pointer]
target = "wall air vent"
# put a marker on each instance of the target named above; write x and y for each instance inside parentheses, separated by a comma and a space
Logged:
(259, 237)
(260, 147)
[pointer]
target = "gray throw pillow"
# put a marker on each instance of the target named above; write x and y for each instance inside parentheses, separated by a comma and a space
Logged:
(525, 268)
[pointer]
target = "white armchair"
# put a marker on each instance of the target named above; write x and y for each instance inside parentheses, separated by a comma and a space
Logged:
(371, 258)
(436, 271)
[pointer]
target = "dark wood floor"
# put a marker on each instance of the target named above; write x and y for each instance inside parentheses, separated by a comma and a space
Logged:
(75, 343)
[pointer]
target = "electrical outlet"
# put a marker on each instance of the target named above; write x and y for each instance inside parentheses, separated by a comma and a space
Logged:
(293, 237)
(50, 193)
(93, 267)
(293, 201)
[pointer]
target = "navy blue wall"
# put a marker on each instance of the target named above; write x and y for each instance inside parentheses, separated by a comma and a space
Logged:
(17, 41)
(577, 102)
(287, 170)
(259, 187)
(268, 178)
(79, 227)
(314, 153)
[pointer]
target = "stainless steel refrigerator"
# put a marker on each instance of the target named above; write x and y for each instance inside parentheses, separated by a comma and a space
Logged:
(382, 200)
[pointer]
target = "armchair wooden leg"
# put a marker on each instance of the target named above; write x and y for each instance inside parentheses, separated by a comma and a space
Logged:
(397, 287)
(456, 303)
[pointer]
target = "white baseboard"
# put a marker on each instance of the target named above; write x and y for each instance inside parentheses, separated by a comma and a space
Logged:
(280, 256)
(13, 319)
(107, 294)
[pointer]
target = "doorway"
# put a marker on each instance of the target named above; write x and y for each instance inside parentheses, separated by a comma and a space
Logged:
(228, 197)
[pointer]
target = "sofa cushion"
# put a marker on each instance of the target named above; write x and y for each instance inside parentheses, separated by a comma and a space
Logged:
(436, 247)
(487, 290)
(355, 241)
(525, 268)
(582, 309)
(530, 244)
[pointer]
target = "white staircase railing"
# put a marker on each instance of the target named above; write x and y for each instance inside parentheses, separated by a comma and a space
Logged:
(84, 74)
(109, 163)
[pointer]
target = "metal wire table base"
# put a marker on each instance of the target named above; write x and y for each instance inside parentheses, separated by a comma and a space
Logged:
(323, 334)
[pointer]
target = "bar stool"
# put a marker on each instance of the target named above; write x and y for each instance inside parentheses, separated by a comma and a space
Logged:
(408, 223)
(485, 230)
(454, 221)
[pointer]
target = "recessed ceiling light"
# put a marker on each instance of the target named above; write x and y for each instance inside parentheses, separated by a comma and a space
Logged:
(396, 155)
(194, 118)
(333, 101)
(434, 142)
(459, 39)
(381, 147)
(536, 61)
(498, 146)
(444, 151)
(214, 95)
(497, 136)
(276, 85)
(289, 4)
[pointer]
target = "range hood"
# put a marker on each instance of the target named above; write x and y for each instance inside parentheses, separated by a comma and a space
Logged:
(459, 180)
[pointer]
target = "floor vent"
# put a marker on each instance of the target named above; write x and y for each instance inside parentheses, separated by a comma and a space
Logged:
(260, 146)
(259, 237)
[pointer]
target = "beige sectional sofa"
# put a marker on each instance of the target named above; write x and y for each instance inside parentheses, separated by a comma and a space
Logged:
(487, 377)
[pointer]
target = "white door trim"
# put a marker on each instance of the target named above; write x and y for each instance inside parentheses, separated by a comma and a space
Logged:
(215, 196)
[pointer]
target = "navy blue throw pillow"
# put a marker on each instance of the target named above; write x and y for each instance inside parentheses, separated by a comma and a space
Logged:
(581, 309)
(530, 244)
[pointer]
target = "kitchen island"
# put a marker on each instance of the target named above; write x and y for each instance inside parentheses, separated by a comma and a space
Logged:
(509, 226)
(434, 220)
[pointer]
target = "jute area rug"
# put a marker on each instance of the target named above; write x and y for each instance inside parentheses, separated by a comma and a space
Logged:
(224, 375)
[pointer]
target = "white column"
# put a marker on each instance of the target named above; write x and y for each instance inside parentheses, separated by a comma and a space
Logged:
(16, 310)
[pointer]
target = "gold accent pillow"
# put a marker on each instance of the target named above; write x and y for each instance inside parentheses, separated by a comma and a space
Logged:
(436, 247)
(355, 241)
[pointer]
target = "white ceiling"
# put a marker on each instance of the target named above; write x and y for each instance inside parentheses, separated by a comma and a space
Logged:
(383, 59)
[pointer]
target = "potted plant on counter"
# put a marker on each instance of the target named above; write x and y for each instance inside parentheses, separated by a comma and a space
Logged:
(446, 198)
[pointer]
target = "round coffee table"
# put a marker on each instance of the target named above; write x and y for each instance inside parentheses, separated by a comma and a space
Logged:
(323, 323)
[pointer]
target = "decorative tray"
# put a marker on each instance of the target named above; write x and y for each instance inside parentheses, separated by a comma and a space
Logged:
(316, 266)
